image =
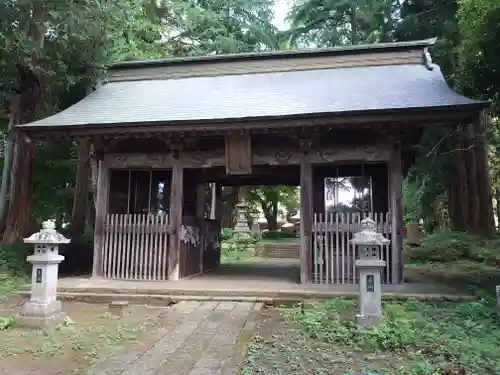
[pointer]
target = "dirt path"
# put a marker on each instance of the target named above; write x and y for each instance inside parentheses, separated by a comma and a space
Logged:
(196, 338)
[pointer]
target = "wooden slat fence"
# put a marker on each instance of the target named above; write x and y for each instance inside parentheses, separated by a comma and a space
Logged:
(334, 256)
(136, 247)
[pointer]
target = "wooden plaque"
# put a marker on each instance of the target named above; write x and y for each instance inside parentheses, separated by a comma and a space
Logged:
(239, 154)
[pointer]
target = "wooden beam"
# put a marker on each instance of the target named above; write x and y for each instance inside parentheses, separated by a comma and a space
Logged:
(102, 202)
(306, 221)
(413, 117)
(207, 159)
(396, 207)
(175, 222)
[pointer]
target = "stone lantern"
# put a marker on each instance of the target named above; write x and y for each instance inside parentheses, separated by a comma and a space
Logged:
(370, 265)
(241, 229)
(43, 309)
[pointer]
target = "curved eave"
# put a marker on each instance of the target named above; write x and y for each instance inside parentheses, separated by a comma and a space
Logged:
(186, 102)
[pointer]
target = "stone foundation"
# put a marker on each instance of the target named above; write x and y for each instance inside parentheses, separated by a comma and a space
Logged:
(368, 321)
(27, 321)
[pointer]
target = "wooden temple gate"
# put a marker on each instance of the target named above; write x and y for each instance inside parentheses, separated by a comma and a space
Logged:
(162, 132)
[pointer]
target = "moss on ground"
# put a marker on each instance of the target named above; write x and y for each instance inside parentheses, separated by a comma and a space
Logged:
(416, 338)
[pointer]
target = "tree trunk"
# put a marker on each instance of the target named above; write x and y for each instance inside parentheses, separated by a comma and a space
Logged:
(272, 217)
(472, 182)
(487, 223)
(78, 217)
(461, 206)
(272, 221)
(19, 218)
(497, 198)
(7, 167)
(25, 109)
(354, 26)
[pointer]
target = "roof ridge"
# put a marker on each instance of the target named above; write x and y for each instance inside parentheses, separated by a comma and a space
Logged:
(330, 51)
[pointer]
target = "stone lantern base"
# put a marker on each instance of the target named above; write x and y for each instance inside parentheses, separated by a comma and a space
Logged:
(368, 321)
(32, 321)
(40, 315)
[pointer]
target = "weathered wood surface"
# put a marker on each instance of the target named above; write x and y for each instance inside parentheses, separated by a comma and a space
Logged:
(304, 62)
(176, 198)
(396, 208)
(306, 221)
(102, 202)
(334, 257)
(393, 121)
(191, 246)
(136, 246)
(238, 153)
(207, 159)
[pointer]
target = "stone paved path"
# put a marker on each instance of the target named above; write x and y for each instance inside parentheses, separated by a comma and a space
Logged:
(197, 338)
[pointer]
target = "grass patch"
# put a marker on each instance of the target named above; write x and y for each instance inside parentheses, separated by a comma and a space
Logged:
(416, 338)
(464, 274)
(9, 284)
(238, 257)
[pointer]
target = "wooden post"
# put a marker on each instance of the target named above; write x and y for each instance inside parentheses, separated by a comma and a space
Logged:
(306, 220)
(200, 201)
(396, 207)
(201, 197)
(102, 202)
(175, 221)
(219, 211)
(213, 201)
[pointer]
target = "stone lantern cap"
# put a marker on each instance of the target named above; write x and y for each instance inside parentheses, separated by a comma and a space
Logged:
(368, 235)
(47, 235)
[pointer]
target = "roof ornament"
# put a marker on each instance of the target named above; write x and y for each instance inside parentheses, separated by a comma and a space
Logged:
(428, 59)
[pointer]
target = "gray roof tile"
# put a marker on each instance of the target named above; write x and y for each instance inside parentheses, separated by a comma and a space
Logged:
(261, 95)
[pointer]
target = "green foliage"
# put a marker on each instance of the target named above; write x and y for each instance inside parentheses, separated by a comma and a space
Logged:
(218, 26)
(448, 246)
(13, 258)
(445, 337)
(268, 200)
(326, 23)
(226, 234)
(479, 22)
(460, 259)
(78, 255)
(6, 322)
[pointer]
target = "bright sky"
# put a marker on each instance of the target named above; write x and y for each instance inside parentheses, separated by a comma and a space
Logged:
(281, 9)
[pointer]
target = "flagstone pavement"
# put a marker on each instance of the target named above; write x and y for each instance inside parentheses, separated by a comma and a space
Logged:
(197, 338)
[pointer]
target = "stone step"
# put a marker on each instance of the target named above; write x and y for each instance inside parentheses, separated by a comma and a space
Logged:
(281, 251)
(168, 297)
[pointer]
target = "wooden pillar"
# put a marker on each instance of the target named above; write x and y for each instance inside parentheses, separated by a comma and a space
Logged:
(219, 211)
(306, 220)
(213, 201)
(396, 207)
(102, 202)
(219, 204)
(200, 201)
(201, 197)
(175, 221)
